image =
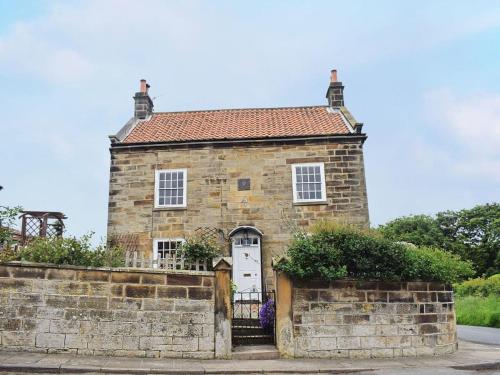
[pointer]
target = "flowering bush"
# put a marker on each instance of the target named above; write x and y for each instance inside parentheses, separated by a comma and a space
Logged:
(266, 315)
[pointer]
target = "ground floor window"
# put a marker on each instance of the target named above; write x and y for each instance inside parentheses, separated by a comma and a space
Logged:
(166, 248)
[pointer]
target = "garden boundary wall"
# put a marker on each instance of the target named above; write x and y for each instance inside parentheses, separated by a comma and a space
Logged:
(116, 312)
(354, 319)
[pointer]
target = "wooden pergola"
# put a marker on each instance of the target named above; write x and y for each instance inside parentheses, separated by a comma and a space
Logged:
(41, 224)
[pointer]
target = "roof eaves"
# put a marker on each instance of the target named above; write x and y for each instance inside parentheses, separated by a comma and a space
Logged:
(240, 140)
(125, 130)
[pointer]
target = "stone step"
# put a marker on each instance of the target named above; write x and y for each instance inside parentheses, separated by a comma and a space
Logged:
(243, 322)
(252, 340)
(249, 331)
(251, 352)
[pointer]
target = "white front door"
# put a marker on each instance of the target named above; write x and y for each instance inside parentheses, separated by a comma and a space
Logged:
(247, 266)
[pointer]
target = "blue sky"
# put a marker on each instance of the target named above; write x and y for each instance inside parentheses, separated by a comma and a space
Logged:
(423, 76)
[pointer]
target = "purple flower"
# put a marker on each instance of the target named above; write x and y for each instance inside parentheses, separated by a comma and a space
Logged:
(266, 315)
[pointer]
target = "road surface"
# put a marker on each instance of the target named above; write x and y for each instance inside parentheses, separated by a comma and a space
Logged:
(479, 335)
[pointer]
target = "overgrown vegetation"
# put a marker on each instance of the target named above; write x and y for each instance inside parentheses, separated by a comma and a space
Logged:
(8, 216)
(69, 251)
(479, 287)
(199, 248)
(478, 311)
(472, 234)
(477, 302)
(333, 251)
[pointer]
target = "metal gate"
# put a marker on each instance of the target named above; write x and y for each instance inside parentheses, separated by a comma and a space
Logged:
(254, 318)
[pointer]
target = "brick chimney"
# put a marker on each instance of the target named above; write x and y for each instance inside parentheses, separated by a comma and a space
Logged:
(335, 92)
(143, 103)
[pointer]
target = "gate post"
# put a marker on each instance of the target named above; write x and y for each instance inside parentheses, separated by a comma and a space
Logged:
(284, 311)
(223, 313)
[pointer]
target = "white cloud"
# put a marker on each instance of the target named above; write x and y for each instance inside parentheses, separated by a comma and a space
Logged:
(469, 129)
(24, 50)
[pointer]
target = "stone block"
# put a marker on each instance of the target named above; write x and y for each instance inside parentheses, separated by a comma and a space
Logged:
(400, 296)
(193, 306)
(151, 278)
(386, 330)
(116, 290)
(171, 292)
(89, 275)
(306, 295)
(425, 297)
(208, 281)
(105, 342)
(64, 326)
(15, 285)
(27, 272)
(125, 277)
(202, 293)
(22, 339)
(426, 318)
(100, 289)
(184, 279)
(348, 343)
(426, 329)
(382, 353)
(49, 340)
(86, 302)
(4, 271)
(78, 341)
(60, 274)
(119, 303)
(56, 300)
(154, 342)
(158, 305)
(376, 296)
(356, 319)
(139, 291)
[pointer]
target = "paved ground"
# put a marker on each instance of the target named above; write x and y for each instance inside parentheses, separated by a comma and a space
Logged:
(480, 335)
(470, 357)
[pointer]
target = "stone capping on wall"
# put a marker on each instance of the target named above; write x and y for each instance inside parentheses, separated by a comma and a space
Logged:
(364, 319)
(106, 311)
(113, 269)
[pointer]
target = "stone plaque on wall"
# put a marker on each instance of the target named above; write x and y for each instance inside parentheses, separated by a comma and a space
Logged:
(243, 184)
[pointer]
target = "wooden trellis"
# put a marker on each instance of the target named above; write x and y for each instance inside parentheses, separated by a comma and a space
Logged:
(41, 224)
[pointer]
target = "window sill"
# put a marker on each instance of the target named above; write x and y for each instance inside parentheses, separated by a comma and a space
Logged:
(170, 208)
(310, 203)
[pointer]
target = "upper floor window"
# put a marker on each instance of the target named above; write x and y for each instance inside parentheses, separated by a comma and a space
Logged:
(170, 188)
(308, 182)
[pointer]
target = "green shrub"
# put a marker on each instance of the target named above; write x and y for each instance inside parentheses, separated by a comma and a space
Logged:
(478, 311)
(200, 248)
(332, 251)
(312, 257)
(71, 251)
(479, 287)
(427, 263)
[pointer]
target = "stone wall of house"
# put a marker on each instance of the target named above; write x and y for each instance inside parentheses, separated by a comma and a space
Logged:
(103, 312)
(213, 199)
(348, 319)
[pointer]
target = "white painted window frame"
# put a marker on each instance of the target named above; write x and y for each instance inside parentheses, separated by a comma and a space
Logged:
(157, 188)
(155, 246)
(323, 185)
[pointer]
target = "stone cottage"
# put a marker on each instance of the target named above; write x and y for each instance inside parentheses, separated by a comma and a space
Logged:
(249, 176)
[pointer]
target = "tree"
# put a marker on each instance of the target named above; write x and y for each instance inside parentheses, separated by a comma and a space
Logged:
(473, 234)
(8, 216)
(420, 230)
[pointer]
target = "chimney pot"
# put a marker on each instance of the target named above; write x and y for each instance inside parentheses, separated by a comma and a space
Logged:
(335, 92)
(144, 86)
(333, 76)
(143, 106)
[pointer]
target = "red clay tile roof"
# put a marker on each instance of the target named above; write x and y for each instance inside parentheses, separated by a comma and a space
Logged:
(251, 123)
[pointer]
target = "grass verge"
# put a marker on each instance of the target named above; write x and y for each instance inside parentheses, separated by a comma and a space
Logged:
(478, 311)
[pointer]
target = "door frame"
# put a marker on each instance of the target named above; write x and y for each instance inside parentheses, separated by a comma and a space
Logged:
(247, 230)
